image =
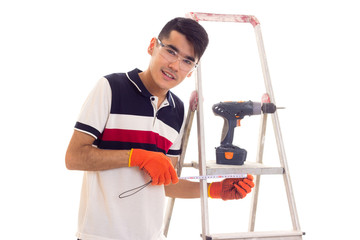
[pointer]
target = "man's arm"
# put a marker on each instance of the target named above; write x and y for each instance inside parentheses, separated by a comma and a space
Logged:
(184, 188)
(81, 155)
(227, 189)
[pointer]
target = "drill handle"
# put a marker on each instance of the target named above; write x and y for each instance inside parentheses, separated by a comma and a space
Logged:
(227, 135)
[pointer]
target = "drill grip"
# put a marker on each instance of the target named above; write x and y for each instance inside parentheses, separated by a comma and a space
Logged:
(227, 134)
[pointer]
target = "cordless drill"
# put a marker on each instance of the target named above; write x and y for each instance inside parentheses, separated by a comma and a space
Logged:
(232, 113)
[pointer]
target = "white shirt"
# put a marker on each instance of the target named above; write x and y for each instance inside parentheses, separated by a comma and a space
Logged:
(129, 218)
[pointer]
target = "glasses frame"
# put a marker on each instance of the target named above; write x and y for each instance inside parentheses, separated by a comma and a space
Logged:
(178, 57)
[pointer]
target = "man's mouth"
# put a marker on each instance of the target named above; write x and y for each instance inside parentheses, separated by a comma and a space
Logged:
(169, 75)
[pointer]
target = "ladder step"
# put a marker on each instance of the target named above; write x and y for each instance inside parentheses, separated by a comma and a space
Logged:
(271, 235)
(249, 167)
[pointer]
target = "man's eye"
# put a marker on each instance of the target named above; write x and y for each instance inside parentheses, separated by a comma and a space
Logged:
(170, 51)
(188, 62)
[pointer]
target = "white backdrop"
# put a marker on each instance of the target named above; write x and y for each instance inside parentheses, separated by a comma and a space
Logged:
(53, 52)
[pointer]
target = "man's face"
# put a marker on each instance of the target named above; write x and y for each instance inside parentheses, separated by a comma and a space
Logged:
(166, 74)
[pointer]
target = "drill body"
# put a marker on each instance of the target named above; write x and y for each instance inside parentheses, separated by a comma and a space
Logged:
(232, 113)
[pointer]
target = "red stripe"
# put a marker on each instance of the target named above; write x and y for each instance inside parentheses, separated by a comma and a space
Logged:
(134, 136)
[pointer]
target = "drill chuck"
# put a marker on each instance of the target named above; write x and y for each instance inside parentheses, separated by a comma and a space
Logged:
(268, 108)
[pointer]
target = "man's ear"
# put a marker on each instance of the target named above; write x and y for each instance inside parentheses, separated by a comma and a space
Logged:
(152, 45)
(190, 73)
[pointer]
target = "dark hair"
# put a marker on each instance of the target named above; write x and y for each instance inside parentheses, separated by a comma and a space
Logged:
(192, 30)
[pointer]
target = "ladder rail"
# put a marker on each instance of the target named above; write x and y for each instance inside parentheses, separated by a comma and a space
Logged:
(286, 175)
(184, 143)
(277, 130)
(259, 159)
(202, 156)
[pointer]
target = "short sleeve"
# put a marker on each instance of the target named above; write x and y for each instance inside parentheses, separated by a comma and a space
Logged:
(96, 109)
(175, 149)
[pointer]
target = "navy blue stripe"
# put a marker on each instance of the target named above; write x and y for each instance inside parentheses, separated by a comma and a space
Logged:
(174, 152)
(127, 99)
(87, 128)
(127, 146)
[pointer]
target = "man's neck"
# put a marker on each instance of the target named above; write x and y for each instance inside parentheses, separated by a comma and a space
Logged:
(148, 82)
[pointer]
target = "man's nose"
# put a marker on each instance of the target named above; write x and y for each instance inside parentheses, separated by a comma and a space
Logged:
(176, 65)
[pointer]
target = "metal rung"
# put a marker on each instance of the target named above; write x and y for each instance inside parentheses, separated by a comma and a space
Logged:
(273, 235)
(192, 164)
(249, 167)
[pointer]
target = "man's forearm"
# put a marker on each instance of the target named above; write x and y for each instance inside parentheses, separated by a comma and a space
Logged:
(90, 158)
(81, 155)
(183, 189)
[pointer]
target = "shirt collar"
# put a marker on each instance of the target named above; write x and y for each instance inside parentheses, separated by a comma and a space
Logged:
(134, 78)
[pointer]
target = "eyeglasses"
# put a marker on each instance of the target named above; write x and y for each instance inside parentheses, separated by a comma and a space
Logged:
(171, 55)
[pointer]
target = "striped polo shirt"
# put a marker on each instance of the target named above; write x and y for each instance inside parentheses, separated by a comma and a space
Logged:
(122, 114)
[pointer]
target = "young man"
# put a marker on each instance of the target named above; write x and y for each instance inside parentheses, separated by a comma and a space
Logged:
(129, 133)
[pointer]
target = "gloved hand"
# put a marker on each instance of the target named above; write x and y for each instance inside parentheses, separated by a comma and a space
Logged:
(156, 164)
(231, 188)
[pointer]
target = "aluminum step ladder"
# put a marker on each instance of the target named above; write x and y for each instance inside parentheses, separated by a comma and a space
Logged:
(208, 167)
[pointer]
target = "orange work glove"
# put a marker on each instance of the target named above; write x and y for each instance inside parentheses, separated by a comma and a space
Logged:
(156, 164)
(231, 188)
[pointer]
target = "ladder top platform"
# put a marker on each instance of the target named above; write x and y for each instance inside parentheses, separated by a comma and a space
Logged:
(198, 16)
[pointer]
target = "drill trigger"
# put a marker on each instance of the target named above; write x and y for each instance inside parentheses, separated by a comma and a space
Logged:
(238, 123)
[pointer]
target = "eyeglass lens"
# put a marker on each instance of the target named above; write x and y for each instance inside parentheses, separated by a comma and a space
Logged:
(172, 56)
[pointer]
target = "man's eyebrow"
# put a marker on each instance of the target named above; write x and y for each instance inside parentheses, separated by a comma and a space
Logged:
(173, 47)
(190, 58)
(177, 50)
